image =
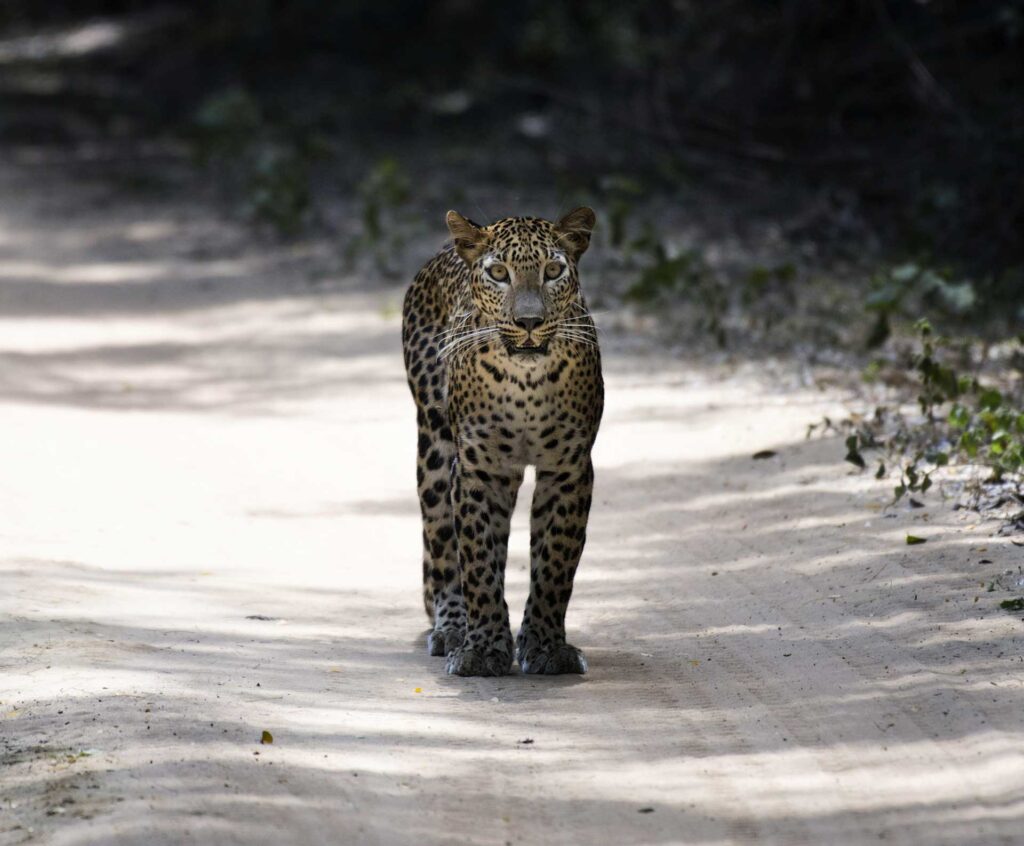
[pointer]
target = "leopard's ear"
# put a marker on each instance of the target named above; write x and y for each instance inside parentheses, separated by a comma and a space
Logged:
(469, 238)
(574, 230)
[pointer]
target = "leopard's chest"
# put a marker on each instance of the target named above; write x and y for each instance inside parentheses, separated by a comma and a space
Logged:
(517, 410)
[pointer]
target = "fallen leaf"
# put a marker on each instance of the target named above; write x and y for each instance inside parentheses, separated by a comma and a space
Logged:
(853, 453)
(417, 690)
(913, 540)
(266, 737)
(764, 453)
(695, 662)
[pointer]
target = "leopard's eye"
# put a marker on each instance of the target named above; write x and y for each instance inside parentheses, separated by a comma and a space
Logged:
(553, 269)
(498, 272)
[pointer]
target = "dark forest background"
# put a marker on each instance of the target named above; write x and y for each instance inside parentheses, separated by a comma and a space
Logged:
(906, 115)
(840, 183)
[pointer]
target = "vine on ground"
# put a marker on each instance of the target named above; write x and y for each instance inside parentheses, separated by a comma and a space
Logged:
(962, 422)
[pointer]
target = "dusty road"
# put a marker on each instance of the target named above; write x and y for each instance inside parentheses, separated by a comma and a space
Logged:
(208, 529)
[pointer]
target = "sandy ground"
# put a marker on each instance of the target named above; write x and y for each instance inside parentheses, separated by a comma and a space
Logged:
(208, 529)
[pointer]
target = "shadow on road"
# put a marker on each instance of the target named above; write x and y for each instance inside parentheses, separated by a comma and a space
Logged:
(770, 661)
(795, 679)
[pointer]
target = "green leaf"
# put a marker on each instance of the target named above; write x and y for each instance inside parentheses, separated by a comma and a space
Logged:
(266, 737)
(880, 473)
(1012, 604)
(959, 416)
(948, 381)
(990, 400)
(914, 540)
(969, 442)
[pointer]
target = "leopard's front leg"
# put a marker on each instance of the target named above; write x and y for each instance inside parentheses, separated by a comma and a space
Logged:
(483, 501)
(558, 528)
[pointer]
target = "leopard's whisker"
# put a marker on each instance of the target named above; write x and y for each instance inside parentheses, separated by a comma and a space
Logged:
(579, 327)
(581, 324)
(457, 323)
(578, 337)
(457, 336)
(463, 348)
(467, 341)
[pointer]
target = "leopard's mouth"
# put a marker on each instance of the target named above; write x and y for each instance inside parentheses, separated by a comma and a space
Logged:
(527, 348)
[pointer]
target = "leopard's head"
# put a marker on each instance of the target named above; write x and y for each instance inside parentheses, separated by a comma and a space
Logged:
(524, 275)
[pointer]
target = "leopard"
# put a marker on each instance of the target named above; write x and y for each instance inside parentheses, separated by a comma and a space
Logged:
(502, 358)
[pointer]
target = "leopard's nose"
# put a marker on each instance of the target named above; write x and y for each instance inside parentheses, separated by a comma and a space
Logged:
(529, 323)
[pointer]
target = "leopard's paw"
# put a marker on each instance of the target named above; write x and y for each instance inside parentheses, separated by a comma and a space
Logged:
(442, 642)
(552, 660)
(469, 661)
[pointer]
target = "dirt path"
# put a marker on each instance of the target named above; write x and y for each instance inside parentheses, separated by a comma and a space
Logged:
(208, 529)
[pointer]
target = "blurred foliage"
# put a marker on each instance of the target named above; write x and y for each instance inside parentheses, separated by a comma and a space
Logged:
(385, 189)
(914, 108)
(911, 288)
(270, 170)
(384, 195)
(621, 195)
(664, 275)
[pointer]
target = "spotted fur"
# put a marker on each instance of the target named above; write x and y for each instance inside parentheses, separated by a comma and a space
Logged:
(502, 359)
